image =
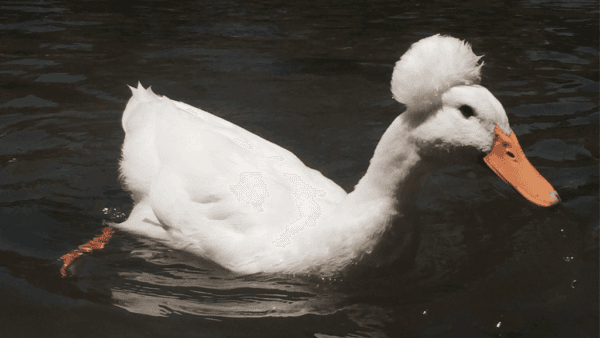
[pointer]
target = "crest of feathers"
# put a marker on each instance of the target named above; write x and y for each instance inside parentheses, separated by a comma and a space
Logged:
(430, 67)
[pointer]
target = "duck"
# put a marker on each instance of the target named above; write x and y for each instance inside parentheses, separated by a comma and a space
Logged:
(213, 190)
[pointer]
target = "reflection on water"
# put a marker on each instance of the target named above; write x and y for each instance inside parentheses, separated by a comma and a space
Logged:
(180, 289)
(157, 281)
(313, 78)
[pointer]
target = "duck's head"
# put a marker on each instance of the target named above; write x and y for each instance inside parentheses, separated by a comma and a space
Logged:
(438, 81)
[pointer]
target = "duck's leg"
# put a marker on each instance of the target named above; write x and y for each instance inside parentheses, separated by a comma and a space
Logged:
(97, 243)
(143, 222)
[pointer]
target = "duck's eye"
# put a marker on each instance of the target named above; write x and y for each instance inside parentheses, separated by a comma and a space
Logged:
(466, 111)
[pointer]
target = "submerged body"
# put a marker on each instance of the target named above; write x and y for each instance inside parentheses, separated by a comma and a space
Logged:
(208, 187)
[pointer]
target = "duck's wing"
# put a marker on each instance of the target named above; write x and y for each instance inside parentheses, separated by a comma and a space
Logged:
(208, 179)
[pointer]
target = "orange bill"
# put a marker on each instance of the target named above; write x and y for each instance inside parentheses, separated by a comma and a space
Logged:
(508, 161)
(97, 243)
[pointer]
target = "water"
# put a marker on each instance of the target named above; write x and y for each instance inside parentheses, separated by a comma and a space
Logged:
(314, 78)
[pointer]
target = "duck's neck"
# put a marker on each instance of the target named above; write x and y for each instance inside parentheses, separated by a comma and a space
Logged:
(394, 162)
(364, 217)
(367, 213)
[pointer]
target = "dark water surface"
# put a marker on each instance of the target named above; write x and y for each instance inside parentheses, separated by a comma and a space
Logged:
(313, 77)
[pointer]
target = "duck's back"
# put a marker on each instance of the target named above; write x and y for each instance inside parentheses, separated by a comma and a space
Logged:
(195, 169)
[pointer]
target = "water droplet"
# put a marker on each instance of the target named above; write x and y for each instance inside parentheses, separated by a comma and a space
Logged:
(499, 323)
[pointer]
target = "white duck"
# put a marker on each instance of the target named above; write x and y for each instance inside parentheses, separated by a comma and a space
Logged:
(208, 187)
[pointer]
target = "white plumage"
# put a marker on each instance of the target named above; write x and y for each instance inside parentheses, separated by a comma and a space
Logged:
(432, 66)
(205, 186)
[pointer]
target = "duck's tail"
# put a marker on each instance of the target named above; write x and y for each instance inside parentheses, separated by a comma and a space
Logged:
(139, 161)
(132, 115)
